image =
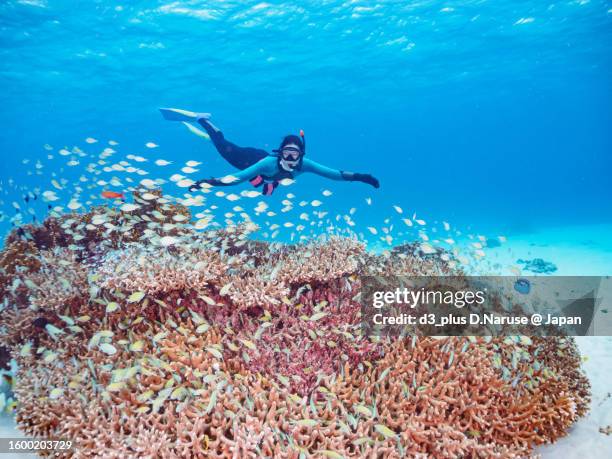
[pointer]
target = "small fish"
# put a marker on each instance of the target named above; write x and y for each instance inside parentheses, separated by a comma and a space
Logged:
(108, 348)
(56, 393)
(306, 423)
(53, 330)
(115, 387)
(167, 241)
(136, 297)
(363, 410)
(248, 344)
(112, 195)
(427, 248)
(331, 454)
(148, 183)
(317, 316)
(215, 352)
(385, 431)
(129, 207)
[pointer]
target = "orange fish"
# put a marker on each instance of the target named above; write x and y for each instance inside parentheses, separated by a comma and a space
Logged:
(112, 195)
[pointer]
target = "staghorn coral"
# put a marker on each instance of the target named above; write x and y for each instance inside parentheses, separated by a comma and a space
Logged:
(321, 261)
(18, 258)
(254, 289)
(409, 260)
(60, 280)
(46, 236)
(220, 347)
(136, 269)
(58, 284)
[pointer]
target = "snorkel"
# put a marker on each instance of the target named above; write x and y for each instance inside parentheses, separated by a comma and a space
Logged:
(291, 152)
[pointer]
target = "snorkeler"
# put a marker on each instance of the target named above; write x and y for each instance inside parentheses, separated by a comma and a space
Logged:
(258, 166)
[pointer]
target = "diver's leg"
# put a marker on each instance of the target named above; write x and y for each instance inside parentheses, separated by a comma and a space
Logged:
(239, 157)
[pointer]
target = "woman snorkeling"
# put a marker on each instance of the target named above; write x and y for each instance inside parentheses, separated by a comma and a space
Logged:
(258, 166)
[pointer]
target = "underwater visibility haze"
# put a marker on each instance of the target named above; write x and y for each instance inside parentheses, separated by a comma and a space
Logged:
(141, 316)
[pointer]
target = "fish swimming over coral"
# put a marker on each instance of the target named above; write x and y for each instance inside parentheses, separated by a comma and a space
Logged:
(112, 195)
(137, 334)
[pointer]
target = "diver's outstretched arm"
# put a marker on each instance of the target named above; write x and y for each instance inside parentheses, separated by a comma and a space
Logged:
(335, 174)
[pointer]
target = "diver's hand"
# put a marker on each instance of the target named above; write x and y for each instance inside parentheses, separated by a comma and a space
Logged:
(198, 185)
(367, 178)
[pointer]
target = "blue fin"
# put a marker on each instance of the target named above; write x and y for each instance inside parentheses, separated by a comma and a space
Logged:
(176, 114)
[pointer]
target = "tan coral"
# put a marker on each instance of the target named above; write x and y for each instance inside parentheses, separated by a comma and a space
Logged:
(60, 279)
(321, 261)
(133, 269)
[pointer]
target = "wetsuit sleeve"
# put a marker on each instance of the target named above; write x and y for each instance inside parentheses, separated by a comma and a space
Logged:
(320, 169)
(335, 174)
(266, 166)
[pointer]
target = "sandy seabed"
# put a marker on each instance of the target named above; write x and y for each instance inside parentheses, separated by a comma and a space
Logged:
(588, 254)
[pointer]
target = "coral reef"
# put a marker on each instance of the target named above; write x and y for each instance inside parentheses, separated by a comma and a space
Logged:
(103, 228)
(135, 268)
(217, 346)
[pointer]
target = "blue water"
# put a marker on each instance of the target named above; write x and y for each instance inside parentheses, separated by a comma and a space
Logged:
(491, 115)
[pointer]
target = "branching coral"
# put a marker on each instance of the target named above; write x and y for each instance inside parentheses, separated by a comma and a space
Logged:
(102, 228)
(321, 261)
(137, 269)
(60, 280)
(19, 258)
(220, 347)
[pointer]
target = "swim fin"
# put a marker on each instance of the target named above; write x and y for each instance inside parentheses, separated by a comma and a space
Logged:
(176, 114)
(196, 131)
